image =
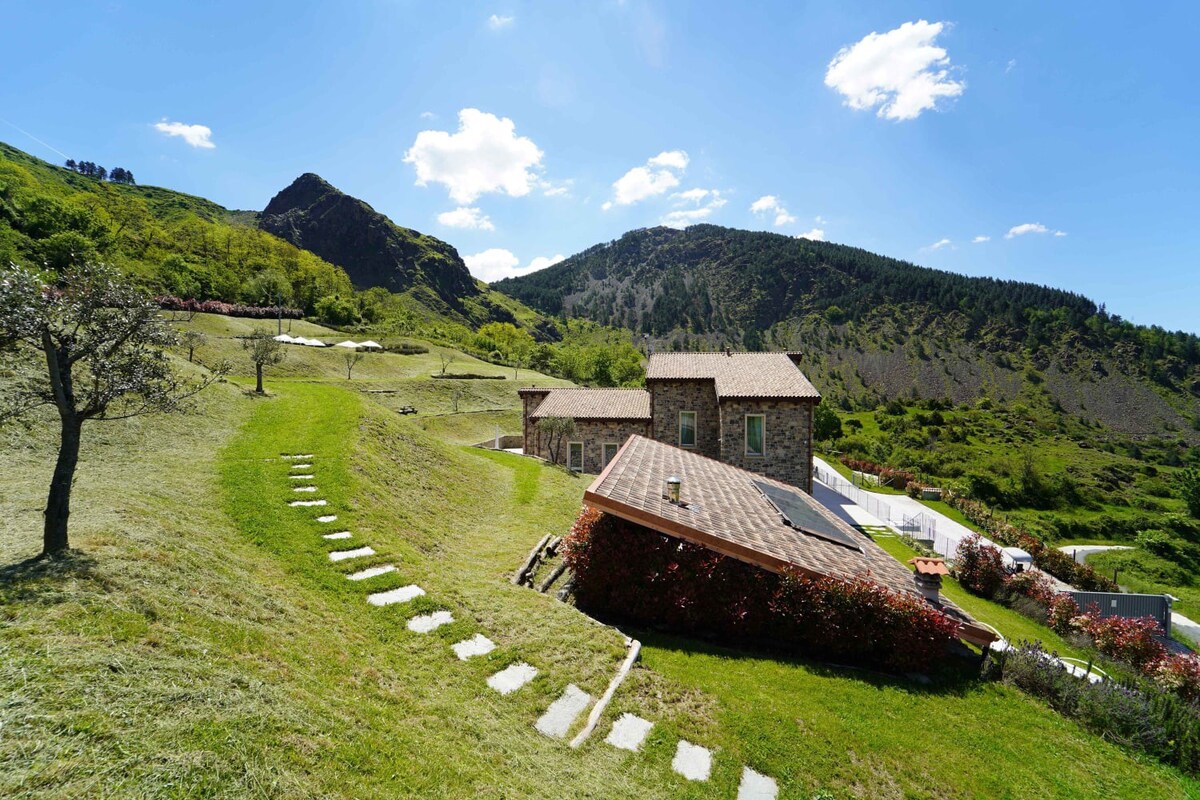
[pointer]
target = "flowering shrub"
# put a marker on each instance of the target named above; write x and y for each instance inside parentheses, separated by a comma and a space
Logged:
(1133, 641)
(978, 567)
(1061, 611)
(888, 476)
(637, 574)
(169, 303)
(1034, 585)
(1178, 673)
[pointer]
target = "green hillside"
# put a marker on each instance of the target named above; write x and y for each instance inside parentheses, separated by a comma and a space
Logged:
(198, 642)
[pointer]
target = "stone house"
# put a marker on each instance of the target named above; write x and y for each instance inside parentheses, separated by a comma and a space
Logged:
(750, 410)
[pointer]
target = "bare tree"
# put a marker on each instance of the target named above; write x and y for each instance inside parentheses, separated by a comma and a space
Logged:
(351, 357)
(454, 398)
(446, 360)
(265, 351)
(192, 339)
(555, 429)
(102, 342)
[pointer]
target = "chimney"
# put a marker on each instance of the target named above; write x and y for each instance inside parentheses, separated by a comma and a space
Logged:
(928, 576)
(728, 352)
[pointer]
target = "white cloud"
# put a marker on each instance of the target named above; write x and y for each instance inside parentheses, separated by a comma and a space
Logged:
(658, 176)
(902, 71)
(1012, 62)
(816, 234)
(484, 155)
(819, 220)
(466, 217)
(769, 204)
(497, 263)
(497, 22)
(938, 245)
(981, 239)
(195, 135)
(1030, 227)
(692, 206)
(492, 264)
(428, 115)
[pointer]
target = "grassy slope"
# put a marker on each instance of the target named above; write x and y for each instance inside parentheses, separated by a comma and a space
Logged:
(202, 644)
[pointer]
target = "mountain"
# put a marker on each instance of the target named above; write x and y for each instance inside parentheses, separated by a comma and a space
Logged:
(873, 328)
(374, 251)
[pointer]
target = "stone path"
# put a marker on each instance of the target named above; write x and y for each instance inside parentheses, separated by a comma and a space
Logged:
(628, 732)
(563, 712)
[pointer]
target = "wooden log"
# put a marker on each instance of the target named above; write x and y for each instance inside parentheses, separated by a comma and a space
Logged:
(523, 572)
(566, 590)
(559, 570)
(635, 647)
(552, 548)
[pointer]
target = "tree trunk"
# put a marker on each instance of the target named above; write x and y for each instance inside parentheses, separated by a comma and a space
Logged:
(258, 374)
(58, 504)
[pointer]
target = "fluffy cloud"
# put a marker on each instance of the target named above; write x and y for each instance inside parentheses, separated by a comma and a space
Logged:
(902, 72)
(497, 263)
(466, 217)
(497, 22)
(484, 155)
(195, 135)
(769, 204)
(939, 244)
(692, 206)
(658, 176)
(816, 234)
(981, 239)
(1030, 227)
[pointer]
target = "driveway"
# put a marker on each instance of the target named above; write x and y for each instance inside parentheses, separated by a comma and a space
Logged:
(1080, 552)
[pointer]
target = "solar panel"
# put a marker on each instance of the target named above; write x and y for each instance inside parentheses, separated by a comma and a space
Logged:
(797, 512)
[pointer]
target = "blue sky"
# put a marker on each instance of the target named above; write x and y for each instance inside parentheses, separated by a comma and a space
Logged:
(1065, 133)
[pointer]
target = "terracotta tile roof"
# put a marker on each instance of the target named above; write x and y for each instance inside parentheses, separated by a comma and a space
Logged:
(595, 404)
(736, 374)
(929, 566)
(728, 514)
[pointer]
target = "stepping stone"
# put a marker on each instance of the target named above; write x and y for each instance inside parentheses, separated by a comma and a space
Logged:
(429, 622)
(297, 503)
(628, 732)
(301, 466)
(562, 712)
(692, 761)
(371, 572)
(301, 477)
(392, 596)
(328, 518)
(756, 786)
(342, 555)
(298, 457)
(304, 489)
(508, 680)
(477, 645)
(338, 535)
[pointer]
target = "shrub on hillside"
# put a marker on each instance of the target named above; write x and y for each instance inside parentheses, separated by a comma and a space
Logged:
(169, 303)
(637, 574)
(1132, 641)
(979, 567)
(888, 476)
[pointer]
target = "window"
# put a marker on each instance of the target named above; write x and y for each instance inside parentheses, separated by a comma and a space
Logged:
(575, 456)
(687, 428)
(610, 452)
(756, 434)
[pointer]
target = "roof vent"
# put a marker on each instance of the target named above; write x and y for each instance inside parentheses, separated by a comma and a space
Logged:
(674, 488)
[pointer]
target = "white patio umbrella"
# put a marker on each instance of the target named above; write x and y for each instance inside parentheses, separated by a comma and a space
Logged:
(316, 343)
(283, 337)
(349, 345)
(370, 345)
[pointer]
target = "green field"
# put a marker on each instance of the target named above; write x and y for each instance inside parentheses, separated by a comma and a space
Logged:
(199, 643)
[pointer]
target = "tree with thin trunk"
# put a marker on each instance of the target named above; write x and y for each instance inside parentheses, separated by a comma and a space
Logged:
(102, 342)
(351, 357)
(265, 351)
(555, 429)
(190, 340)
(446, 359)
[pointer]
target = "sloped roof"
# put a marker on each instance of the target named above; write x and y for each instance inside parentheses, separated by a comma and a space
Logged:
(727, 513)
(736, 374)
(631, 404)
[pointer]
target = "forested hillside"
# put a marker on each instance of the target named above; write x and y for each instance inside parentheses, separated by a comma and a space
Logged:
(874, 328)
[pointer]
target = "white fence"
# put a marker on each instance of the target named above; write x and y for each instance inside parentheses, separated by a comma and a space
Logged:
(915, 526)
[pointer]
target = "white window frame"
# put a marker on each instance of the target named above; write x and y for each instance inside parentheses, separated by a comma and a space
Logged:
(616, 446)
(570, 463)
(746, 436)
(695, 428)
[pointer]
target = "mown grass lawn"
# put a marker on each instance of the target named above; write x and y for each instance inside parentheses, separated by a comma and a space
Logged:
(199, 642)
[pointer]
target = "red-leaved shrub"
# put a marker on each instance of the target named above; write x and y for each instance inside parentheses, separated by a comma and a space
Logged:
(1061, 611)
(979, 567)
(634, 573)
(1133, 641)
(888, 476)
(1179, 673)
(1034, 585)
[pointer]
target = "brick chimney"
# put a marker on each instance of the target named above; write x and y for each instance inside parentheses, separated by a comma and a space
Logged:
(928, 576)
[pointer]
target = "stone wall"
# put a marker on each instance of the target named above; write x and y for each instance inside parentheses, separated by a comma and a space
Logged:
(788, 438)
(594, 434)
(530, 400)
(668, 398)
